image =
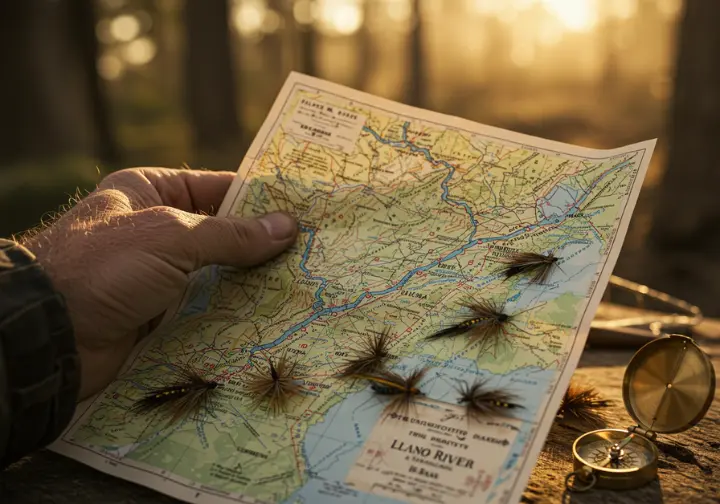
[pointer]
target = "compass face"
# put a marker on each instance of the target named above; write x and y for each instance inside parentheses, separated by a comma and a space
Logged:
(615, 450)
(600, 454)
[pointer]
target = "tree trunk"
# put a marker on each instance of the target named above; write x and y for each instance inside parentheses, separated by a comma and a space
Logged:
(211, 99)
(44, 85)
(364, 50)
(416, 73)
(308, 50)
(272, 47)
(82, 24)
(684, 240)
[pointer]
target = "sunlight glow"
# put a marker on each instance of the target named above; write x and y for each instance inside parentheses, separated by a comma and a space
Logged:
(340, 17)
(488, 7)
(140, 51)
(549, 32)
(621, 9)
(669, 7)
(272, 22)
(575, 15)
(523, 50)
(125, 28)
(399, 10)
(522, 54)
(304, 11)
(500, 8)
(249, 17)
(110, 67)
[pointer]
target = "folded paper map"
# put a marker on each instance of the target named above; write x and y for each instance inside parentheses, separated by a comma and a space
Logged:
(405, 216)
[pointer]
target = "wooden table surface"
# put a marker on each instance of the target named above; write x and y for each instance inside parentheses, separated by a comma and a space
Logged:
(689, 464)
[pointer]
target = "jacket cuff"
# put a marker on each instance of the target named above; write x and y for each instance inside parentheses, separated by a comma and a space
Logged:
(39, 364)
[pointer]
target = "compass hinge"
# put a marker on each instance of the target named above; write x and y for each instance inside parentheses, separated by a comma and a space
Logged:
(643, 432)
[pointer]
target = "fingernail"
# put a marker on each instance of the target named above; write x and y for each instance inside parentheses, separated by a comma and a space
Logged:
(279, 226)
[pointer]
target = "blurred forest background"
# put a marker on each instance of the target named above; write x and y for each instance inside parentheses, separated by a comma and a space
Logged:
(91, 86)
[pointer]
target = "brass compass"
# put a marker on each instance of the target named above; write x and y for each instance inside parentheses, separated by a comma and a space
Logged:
(668, 387)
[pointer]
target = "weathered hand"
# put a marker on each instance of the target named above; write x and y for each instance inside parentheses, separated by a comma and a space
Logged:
(121, 255)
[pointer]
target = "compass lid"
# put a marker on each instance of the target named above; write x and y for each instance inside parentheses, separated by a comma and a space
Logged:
(669, 384)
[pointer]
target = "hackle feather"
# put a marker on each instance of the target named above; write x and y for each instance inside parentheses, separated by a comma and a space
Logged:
(275, 386)
(538, 266)
(370, 357)
(482, 401)
(486, 323)
(188, 394)
(402, 390)
(584, 405)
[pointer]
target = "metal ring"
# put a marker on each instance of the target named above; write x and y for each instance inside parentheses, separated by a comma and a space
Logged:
(588, 486)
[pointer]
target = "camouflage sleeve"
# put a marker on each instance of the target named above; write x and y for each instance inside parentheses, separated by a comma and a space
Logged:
(39, 365)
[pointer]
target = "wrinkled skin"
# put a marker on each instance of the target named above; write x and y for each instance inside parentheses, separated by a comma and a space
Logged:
(123, 254)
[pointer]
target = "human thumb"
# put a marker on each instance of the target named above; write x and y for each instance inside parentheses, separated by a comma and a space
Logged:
(230, 241)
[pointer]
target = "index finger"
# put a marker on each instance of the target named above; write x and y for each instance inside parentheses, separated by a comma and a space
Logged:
(187, 190)
(191, 190)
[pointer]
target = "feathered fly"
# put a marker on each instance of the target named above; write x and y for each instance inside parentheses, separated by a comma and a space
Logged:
(369, 357)
(584, 405)
(486, 322)
(482, 401)
(403, 390)
(189, 394)
(538, 265)
(276, 385)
